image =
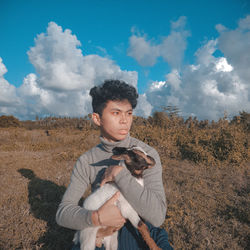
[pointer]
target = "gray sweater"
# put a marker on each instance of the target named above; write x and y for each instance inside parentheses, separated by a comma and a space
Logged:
(149, 201)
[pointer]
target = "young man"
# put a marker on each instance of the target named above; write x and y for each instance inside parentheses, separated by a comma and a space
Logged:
(113, 103)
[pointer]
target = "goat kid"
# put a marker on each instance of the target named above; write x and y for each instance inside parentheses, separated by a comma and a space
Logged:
(136, 161)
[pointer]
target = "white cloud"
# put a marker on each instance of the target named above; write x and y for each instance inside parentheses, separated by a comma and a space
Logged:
(156, 95)
(61, 66)
(143, 51)
(235, 44)
(179, 24)
(63, 80)
(10, 102)
(244, 23)
(222, 65)
(174, 79)
(171, 48)
(144, 108)
(214, 84)
(29, 86)
(3, 69)
(157, 85)
(57, 59)
(204, 55)
(8, 98)
(8, 92)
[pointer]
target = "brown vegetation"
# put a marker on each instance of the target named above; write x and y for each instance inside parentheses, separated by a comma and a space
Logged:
(205, 173)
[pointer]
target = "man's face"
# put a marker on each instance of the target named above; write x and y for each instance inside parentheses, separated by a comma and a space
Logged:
(116, 120)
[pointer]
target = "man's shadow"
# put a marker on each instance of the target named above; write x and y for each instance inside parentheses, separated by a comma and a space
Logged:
(44, 198)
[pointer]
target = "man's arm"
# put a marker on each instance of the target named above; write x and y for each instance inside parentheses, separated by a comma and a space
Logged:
(69, 213)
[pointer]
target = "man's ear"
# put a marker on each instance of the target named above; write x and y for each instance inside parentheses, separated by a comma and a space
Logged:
(96, 119)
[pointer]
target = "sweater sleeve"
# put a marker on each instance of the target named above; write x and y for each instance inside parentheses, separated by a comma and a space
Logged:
(149, 200)
(69, 213)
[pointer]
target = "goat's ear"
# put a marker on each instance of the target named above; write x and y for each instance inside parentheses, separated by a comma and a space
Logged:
(120, 157)
(150, 160)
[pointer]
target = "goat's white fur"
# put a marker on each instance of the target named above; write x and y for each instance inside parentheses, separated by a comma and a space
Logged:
(87, 236)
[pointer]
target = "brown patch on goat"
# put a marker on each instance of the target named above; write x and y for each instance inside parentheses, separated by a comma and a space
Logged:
(143, 229)
(136, 161)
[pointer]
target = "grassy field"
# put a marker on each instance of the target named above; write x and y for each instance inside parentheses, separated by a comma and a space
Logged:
(208, 195)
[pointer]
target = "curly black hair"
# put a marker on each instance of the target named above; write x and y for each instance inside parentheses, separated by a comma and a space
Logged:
(112, 90)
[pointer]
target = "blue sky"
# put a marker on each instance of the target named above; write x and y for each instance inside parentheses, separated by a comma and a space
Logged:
(181, 53)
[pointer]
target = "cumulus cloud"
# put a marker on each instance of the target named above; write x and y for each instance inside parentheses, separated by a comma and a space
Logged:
(62, 80)
(143, 108)
(171, 48)
(9, 102)
(235, 44)
(143, 51)
(61, 66)
(213, 84)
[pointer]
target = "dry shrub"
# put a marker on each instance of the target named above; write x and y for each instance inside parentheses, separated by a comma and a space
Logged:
(9, 121)
(225, 144)
(59, 123)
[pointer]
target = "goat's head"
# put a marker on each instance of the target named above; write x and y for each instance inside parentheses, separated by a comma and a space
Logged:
(135, 158)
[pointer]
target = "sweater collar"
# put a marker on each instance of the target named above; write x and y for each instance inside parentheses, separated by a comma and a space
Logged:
(108, 146)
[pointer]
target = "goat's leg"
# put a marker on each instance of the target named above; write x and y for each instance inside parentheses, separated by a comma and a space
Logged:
(111, 242)
(129, 213)
(95, 200)
(87, 238)
(143, 229)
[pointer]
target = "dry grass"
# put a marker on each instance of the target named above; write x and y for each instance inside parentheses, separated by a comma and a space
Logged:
(35, 170)
(208, 206)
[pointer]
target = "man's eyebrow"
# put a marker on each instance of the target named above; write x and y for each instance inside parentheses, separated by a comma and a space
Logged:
(117, 109)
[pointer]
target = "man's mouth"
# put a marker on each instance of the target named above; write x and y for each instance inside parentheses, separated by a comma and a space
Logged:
(123, 131)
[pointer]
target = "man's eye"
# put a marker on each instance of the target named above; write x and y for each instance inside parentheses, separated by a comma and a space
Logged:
(115, 113)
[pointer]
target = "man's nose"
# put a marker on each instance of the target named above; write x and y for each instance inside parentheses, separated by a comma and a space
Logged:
(123, 118)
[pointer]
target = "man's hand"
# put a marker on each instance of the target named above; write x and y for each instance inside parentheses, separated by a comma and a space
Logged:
(110, 218)
(110, 173)
(110, 214)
